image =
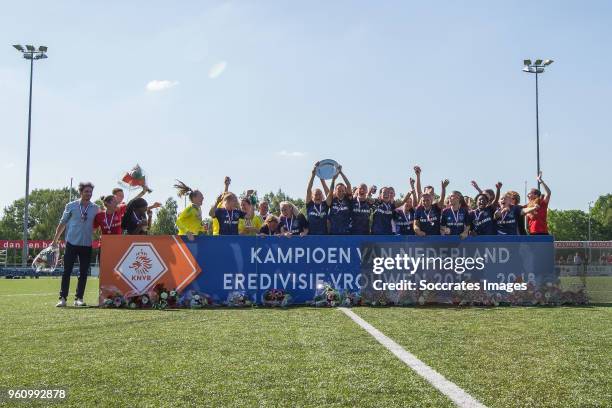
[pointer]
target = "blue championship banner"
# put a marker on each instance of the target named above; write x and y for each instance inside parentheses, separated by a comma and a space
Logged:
(171, 271)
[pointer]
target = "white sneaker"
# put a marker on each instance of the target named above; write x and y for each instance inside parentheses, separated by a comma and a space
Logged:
(61, 303)
(79, 303)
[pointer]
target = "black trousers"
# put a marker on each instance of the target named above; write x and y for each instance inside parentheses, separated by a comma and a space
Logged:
(71, 254)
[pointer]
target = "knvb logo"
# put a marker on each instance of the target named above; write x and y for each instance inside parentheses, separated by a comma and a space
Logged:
(141, 266)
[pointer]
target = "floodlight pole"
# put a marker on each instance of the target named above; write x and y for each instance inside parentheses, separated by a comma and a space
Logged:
(537, 128)
(537, 68)
(24, 261)
(30, 54)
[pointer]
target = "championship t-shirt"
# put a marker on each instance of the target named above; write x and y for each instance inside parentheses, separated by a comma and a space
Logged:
(429, 220)
(404, 222)
(455, 220)
(483, 221)
(317, 218)
(360, 217)
(382, 217)
(228, 220)
(507, 224)
(109, 224)
(340, 216)
(537, 219)
(295, 225)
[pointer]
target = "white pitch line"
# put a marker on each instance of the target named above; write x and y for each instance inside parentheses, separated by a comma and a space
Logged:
(451, 390)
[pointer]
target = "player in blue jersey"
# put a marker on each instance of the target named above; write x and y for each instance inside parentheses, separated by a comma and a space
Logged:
(316, 206)
(427, 190)
(383, 209)
(508, 215)
(427, 214)
(403, 216)
(339, 203)
(291, 221)
(361, 206)
(455, 219)
(482, 218)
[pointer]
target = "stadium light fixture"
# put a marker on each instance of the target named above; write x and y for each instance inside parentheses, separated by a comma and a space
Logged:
(536, 68)
(31, 54)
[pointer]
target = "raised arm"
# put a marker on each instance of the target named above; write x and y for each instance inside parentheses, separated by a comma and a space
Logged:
(413, 194)
(546, 189)
(211, 213)
(498, 187)
(330, 194)
(440, 202)
(346, 180)
(417, 172)
(310, 183)
(475, 185)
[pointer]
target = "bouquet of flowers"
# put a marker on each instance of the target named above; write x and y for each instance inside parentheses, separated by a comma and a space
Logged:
(46, 260)
(116, 300)
(276, 297)
(238, 299)
(141, 301)
(351, 299)
(326, 295)
(166, 298)
(198, 301)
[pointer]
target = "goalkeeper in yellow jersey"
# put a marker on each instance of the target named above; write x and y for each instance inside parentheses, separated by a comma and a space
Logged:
(189, 221)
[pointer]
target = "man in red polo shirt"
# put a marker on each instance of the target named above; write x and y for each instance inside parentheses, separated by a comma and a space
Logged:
(537, 220)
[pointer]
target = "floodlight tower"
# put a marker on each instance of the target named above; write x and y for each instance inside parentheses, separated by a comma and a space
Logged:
(536, 68)
(30, 53)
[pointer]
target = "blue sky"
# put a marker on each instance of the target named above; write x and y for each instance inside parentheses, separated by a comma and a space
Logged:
(378, 86)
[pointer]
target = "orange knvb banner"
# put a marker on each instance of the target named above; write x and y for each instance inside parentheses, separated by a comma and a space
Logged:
(134, 265)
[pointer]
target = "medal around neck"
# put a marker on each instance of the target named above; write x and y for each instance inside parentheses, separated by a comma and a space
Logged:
(327, 169)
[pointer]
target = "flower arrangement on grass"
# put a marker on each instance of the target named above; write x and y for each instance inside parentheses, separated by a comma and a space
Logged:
(351, 299)
(238, 299)
(116, 300)
(197, 300)
(165, 298)
(276, 298)
(326, 296)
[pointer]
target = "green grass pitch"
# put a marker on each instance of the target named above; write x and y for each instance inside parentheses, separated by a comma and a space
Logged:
(504, 357)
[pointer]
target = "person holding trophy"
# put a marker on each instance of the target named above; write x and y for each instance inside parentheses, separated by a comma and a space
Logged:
(316, 207)
(339, 203)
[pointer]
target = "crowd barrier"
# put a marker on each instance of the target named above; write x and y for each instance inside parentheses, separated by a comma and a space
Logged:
(143, 271)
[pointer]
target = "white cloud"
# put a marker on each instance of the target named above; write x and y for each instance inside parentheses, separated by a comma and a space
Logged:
(160, 85)
(285, 153)
(216, 70)
(9, 165)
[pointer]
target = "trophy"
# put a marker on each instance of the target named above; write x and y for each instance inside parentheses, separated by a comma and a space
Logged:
(327, 169)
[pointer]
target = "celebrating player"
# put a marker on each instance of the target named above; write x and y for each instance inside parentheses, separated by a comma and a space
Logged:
(189, 221)
(339, 203)
(316, 206)
(427, 214)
